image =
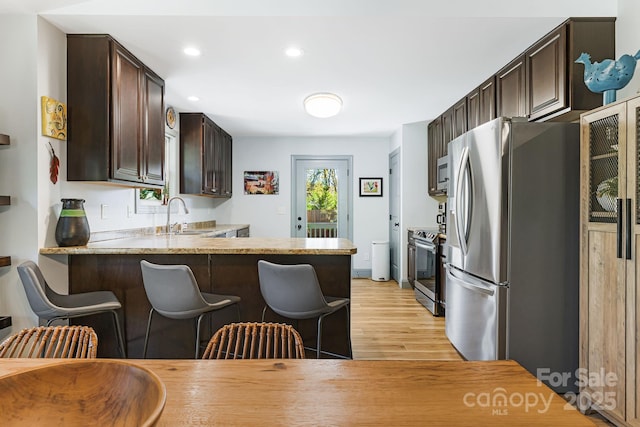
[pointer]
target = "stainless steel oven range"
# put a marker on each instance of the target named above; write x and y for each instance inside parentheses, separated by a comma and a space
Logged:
(426, 269)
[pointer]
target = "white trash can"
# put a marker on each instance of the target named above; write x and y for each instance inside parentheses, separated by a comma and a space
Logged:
(380, 260)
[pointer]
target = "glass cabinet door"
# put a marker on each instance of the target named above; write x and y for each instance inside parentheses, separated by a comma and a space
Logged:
(604, 168)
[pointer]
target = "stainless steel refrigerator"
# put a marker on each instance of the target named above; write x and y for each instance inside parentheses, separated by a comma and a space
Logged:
(513, 244)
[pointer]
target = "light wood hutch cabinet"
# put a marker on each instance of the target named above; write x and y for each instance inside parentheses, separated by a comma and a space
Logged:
(609, 261)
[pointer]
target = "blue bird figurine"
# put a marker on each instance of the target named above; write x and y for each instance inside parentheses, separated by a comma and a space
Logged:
(608, 75)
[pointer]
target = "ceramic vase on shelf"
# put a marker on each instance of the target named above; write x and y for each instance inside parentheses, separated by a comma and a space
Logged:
(72, 228)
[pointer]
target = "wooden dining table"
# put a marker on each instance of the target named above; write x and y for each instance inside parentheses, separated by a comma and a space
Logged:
(348, 392)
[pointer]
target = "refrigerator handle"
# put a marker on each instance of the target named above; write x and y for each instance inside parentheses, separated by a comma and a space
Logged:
(619, 228)
(470, 283)
(462, 236)
(628, 231)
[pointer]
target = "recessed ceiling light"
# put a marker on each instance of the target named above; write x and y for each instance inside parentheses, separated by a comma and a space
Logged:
(191, 51)
(323, 105)
(294, 52)
(193, 98)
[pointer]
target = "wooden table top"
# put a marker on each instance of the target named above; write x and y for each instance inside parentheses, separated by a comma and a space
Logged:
(349, 392)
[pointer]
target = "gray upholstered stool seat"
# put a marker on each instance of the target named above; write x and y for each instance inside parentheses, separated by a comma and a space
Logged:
(173, 292)
(50, 305)
(293, 291)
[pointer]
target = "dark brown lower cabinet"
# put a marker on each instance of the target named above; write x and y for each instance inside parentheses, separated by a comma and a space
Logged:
(229, 274)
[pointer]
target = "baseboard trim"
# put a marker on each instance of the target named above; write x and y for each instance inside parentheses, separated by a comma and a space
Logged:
(361, 273)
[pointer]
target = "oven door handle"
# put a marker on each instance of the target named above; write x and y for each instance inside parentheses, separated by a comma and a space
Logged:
(426, 246)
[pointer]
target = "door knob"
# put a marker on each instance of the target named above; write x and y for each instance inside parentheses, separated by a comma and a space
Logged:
(397, 224)
(299, 227)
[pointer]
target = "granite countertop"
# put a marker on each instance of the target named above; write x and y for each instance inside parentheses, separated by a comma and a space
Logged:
(201, 244)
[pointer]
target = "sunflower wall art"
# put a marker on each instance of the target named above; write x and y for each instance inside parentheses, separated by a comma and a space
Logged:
(54, 118)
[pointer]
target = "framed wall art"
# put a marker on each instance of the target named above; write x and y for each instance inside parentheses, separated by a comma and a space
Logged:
(370, 187)
(54, 118)
(261, 182)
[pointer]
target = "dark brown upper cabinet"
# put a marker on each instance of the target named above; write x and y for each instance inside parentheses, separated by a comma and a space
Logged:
(543, 83)
(473, 108)
(447, 127)
(487, 92)
(454, 123)
(481, 104)
(205, 157)
(547, 77)
(115, 114)
(511, 89)
(459, 119)
(556, 86)
(435, 149)
(227, 146)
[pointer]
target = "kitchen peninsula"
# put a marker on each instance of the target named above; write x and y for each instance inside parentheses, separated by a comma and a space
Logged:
(220, 265)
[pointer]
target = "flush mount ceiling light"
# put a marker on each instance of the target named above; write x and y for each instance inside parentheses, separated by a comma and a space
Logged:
(323, 105)
(294, 52)
(191, 51)
(193, 98)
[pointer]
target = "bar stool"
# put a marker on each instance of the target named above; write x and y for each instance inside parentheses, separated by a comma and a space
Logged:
(293, 291)
(173, 292)
(49, 305)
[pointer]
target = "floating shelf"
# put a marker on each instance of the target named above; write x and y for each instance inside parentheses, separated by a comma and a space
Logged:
(5, 261)
(5, 322)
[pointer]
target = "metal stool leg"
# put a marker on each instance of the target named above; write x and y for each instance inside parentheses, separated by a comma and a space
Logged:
(119, 336)
(319, 338)
(146, 335)
(198, 334)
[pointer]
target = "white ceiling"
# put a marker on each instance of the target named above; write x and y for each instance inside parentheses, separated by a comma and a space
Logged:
(391, 61)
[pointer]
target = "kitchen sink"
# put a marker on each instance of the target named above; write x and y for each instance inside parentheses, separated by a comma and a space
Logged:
(185, 233)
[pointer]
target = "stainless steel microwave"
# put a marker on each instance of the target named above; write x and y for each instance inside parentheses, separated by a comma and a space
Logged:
(442, 174)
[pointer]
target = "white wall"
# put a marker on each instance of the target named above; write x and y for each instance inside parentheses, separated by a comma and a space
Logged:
(270, 216)
(418, 208)
(18, 162)
(628, 40)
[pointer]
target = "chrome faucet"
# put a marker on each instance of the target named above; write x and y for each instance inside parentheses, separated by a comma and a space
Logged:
(169, 211)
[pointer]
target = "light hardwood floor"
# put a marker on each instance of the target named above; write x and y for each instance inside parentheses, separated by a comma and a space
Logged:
(388, 323)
